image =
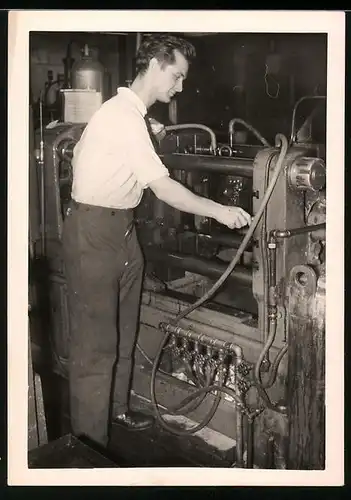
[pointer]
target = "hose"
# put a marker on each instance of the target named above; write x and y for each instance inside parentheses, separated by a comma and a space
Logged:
(205, 390)
(278, 168)
(171, 128)
(269, 342)
(249, 127)
(182, 407)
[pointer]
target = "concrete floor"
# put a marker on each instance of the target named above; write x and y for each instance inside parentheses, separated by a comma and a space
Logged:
(156, 447)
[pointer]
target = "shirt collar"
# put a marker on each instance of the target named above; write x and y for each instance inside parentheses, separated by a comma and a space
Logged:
(132, 97)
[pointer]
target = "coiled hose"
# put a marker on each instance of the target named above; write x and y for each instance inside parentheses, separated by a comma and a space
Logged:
(219, 387)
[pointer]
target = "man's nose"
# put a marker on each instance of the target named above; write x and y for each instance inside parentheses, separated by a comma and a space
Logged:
(179, 86)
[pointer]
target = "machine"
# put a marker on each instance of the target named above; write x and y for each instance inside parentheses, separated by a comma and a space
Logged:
(232, 322)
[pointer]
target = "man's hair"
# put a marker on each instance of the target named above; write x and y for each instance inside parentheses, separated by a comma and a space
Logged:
(162, 47)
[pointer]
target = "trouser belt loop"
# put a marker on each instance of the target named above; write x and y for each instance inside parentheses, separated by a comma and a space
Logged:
(129, 230)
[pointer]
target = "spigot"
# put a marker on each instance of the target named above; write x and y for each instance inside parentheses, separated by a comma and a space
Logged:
(221, 366)
(186, 354)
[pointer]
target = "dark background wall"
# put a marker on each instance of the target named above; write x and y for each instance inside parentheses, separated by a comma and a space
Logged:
(228, 79)
(257, 77)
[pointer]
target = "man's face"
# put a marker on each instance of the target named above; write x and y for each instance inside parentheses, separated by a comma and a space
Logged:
(169, 78)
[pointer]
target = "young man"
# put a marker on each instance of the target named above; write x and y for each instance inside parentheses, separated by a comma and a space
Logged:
(113, 163)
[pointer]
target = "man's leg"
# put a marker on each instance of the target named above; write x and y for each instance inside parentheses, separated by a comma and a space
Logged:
(129, 310)
(92, 278)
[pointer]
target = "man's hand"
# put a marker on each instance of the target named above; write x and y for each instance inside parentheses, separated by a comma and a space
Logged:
(181, 198)
(233, 217)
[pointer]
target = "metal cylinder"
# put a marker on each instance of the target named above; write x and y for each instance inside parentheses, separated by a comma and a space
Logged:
(227, 240)
(88, 74)
(307, 174)
(198, 265)
(216, 164)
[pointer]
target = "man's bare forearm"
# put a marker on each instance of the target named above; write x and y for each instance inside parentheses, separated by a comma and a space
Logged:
(183, 199)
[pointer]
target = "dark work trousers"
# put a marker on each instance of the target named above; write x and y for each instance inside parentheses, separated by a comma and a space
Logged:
(104, 269)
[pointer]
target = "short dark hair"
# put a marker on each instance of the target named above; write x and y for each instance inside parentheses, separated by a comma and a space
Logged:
(162, 47)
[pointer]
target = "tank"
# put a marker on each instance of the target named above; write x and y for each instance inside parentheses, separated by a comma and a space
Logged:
(88, 73)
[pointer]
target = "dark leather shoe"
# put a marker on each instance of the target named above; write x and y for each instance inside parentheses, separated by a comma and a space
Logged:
(134, 421)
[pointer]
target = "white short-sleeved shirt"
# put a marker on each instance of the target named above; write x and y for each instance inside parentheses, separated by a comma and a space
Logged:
(114, 160)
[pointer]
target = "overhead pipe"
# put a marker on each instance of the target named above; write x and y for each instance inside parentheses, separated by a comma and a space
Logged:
(185, 126)
(304, 98)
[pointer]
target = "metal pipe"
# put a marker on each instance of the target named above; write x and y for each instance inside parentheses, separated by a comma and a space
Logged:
(205, 267)
(202, 339)
(42, 177)
(216, 164)
(239, 435)
(249, 441)
(249, 127)
(305, 98)
(272, 258)
(184, 126)
(227, 240)
(287, 233)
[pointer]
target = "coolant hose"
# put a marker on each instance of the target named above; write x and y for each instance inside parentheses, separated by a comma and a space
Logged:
(249, 127)
(278, 168)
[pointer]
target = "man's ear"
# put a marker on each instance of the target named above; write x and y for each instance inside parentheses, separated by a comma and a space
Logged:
(153, 63)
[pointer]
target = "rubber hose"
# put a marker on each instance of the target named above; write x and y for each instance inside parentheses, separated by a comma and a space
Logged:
(180, 408)
(268, 344)
(187, 400)
(249, 127)
(191, 405)
(274, 368)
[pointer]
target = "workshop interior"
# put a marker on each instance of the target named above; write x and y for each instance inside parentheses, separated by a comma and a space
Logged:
(230, 356)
